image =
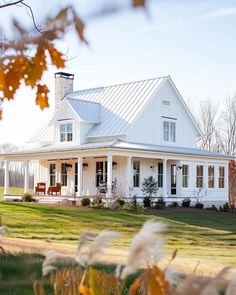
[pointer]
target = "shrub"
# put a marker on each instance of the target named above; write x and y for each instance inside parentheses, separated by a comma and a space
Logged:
(99, 206)
(85, 201)
(186, 202)
(120, 202)
(160, 201)
(149, 186)
(27, 197)
(199, 205)
(174, 204)
(147, 202)
(159, 206)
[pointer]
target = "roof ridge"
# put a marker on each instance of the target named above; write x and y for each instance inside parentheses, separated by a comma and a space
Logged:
(119, 84)
(83, 100)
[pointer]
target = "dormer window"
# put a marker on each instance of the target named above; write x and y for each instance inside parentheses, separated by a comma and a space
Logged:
(66, 131)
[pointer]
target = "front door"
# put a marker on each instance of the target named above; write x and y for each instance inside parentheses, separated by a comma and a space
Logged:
(173, 179)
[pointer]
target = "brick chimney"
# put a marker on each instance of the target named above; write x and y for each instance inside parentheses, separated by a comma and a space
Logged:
(63, 86)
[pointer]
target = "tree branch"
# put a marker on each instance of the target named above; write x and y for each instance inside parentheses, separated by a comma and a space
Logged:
(11, 4)
(32, 15)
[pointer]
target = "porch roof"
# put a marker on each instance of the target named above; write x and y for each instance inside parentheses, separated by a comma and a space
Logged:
(118, 144)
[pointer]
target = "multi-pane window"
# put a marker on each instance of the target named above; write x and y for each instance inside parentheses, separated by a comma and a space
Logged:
(66, 132)
(211, 176)
(169, 131)
(101, 172)
(52, 172)
(199, 178)
(160, 175)
(221, 177)
(185, 175)
(63, 174)
(136, 173)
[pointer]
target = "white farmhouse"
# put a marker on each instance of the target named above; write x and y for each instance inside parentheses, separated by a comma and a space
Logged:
(119, 135)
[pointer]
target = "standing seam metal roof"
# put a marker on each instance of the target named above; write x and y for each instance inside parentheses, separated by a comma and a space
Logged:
(120, 104)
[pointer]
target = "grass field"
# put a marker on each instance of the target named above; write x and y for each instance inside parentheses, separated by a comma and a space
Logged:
(200, 235)
(12, 191)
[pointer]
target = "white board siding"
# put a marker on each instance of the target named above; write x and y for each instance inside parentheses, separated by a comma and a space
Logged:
(148, 126)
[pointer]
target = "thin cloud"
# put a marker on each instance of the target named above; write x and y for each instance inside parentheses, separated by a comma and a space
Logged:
(214, 14)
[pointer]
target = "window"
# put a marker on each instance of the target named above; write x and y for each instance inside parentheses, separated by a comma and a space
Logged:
(185, 175)
(66, 132)
(211, 173)
(160, 175)
(52, 172)
(101, 172)
(166, 102)
(136, 173)
(221, 177)
(63, 174)
(199, 179)
(169, 131)
(76, 177)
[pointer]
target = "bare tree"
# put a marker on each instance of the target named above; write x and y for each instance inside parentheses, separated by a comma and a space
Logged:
(208, 124)
(228, 126)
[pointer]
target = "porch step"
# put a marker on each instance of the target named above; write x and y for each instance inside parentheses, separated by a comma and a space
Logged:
(12, 198)
(51, 200)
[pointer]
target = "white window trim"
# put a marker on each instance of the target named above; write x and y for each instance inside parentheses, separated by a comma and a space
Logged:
(62, 122)
(176, 128)
(225, 176)
(188, 177)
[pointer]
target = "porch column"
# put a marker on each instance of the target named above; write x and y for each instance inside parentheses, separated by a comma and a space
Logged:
(6, 178)
(109, 174)
(129, 175)
(164, 178)
(26, 183)
(80, 176)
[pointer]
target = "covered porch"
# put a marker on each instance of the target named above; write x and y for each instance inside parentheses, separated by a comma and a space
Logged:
(80, 171)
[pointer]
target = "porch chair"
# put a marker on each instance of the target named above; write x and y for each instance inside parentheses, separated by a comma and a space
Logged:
(40, 188)
(54, 189)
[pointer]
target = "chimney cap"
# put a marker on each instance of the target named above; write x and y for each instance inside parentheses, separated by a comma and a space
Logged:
(64, 75)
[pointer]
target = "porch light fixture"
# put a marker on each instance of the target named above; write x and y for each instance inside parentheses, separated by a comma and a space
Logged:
(114, 164)
(85, 165)
(179, 167)
(68, 167)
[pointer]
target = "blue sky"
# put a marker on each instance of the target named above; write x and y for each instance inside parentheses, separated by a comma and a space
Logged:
(193, 41)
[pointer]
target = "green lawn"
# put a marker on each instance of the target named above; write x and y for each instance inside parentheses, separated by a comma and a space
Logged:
(13, 191)
(205, 236)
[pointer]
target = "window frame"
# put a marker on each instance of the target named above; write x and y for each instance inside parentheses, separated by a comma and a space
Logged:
(199, 177)
(160, 174)
(211, 177)
(221, 177)
(136, 175)
(185, 177)
(169, 135)
(66, 133)
(52, 174)
(64, 175)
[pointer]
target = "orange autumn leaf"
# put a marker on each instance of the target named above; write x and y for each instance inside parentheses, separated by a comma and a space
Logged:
(84, 290)
(36, 68)
(56, 56)
(79, 26)
(155, 281)
(14, 71)
(42, 96)
(139, 3)
(135, 287)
